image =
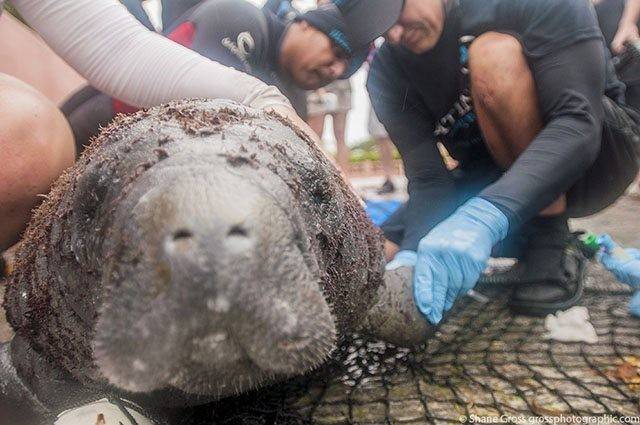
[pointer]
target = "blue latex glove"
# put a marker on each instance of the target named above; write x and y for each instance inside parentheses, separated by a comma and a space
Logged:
(454, 254)
(625, 270)
(404, 258)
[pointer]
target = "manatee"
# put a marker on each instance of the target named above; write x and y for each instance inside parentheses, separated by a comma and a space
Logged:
(195, 251)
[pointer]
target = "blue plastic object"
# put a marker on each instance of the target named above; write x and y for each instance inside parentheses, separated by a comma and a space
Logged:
(380, 211)
(623, 263)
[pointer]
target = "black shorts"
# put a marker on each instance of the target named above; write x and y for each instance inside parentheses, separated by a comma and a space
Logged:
(603, 183)
(87, 110)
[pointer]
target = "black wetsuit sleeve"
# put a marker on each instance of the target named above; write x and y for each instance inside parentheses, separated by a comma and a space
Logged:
(570, 86)
(431, 187)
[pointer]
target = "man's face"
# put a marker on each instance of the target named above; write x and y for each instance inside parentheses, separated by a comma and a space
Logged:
(312, 59)
(420, 25)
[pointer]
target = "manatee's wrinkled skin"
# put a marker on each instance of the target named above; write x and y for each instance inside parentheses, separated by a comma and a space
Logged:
(195, 251)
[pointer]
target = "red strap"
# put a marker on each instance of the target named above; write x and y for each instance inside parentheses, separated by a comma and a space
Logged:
(184, 35)
(119, 107)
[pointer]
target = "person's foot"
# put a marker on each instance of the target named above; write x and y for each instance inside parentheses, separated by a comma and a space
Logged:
(387, 188)
(551, 274)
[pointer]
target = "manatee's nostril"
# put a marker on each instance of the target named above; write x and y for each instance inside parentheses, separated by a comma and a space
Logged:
(237, 231)
(182, 234)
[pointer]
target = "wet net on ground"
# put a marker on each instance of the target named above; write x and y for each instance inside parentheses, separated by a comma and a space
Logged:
(483, 361)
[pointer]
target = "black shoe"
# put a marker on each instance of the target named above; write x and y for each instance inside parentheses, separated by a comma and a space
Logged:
(387, 188)
(551, 275)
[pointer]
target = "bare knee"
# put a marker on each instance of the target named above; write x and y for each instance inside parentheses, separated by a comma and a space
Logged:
(497, 66)
(36, 145)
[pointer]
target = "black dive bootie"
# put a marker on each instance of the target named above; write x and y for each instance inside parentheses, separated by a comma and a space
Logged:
(550, 276)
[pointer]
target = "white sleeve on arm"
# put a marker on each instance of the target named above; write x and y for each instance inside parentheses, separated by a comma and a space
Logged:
(120, 57)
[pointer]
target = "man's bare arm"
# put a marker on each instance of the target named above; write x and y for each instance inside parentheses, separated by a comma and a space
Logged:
(627, 27)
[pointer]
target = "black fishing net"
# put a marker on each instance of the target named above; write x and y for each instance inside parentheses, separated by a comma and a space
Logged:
(484, 361)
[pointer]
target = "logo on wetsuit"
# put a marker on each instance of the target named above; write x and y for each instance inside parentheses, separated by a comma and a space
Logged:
(242, 48)
(460, 115)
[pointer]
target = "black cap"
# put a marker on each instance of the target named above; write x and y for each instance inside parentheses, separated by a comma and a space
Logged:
(354, 24)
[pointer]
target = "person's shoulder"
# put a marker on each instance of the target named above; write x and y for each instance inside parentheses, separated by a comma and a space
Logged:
(227, 12)
(527, 10)
(398, 63)
(389, 58)
(388, 67)
(519, 4)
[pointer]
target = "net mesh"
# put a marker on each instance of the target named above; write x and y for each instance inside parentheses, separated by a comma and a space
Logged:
(483, 361)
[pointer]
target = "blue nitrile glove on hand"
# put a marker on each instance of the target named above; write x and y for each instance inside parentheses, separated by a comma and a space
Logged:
(626, 270)
(404, 258)
(454, 254)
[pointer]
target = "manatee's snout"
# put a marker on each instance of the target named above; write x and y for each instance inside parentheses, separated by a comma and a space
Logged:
(217, 295)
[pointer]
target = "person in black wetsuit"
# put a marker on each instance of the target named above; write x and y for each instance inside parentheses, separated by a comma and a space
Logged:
(522, 96)
(309, 52)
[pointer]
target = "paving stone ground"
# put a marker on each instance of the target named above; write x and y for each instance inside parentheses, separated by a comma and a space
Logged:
(484, 361)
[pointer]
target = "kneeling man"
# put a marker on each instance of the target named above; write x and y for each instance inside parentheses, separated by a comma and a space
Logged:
(521, 94)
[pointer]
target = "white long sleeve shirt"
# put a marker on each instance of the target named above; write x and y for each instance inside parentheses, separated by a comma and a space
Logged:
(120, 57)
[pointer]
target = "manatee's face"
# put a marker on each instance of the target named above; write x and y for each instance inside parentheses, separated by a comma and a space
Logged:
(210, 289)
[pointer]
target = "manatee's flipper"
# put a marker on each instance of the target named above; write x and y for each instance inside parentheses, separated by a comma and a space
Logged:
(395, 318)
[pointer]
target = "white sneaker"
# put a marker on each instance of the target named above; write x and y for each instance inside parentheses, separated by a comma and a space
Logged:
(104, 412)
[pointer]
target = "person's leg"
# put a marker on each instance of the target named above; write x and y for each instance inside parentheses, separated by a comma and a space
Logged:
(87, 111)
(501, 80)
(339, 130)
(316, 122)
(36, 145)
(506, 103)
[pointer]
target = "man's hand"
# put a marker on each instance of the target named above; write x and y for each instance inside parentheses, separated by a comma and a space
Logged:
(453, 255)
(626, 33)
